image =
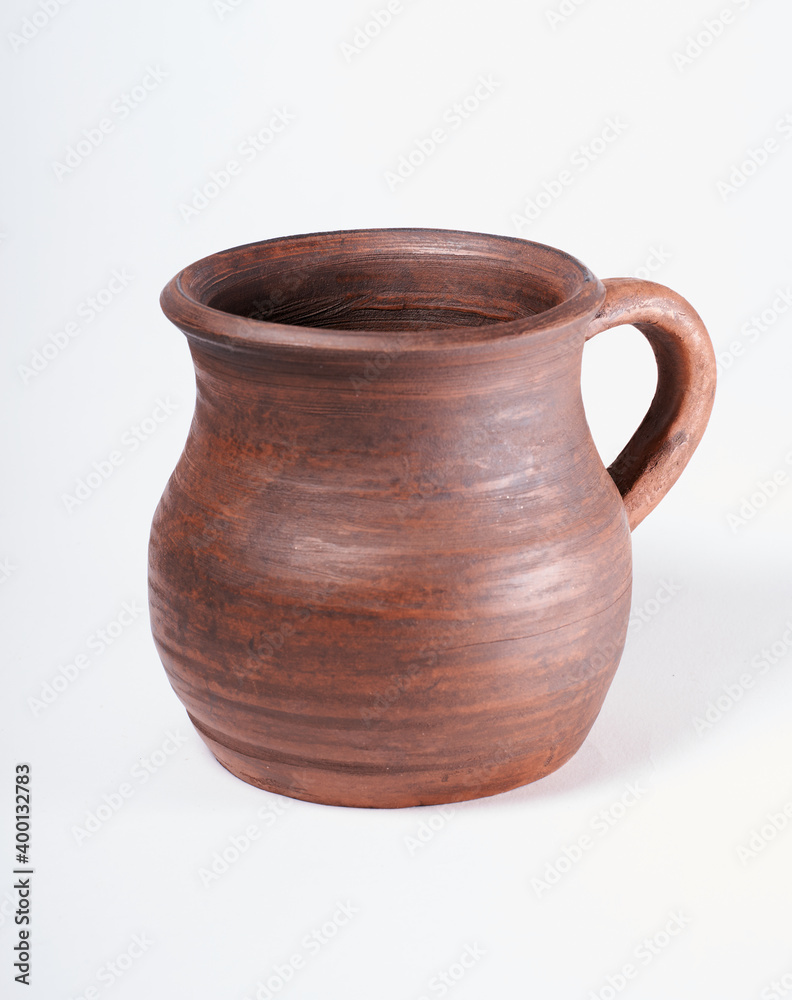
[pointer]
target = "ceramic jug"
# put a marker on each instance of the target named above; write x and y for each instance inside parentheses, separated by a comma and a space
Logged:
(390, 567)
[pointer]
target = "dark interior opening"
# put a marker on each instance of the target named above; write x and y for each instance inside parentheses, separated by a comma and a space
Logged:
(386, 292)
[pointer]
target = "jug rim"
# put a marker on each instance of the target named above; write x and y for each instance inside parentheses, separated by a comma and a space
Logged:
(186, 298)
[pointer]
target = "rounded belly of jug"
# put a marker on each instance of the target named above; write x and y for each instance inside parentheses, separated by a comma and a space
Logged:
(353, 650)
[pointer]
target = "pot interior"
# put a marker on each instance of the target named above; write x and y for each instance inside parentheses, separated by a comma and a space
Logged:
(360, 286)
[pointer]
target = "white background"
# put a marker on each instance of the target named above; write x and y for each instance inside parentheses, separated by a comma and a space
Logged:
(701, 795)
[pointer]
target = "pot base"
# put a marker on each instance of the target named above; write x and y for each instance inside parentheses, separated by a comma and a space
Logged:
(370, 787)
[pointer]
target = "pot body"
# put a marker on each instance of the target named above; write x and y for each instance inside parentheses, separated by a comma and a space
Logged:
(391, 577)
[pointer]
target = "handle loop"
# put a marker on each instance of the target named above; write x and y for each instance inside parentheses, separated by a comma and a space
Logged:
(656, 454)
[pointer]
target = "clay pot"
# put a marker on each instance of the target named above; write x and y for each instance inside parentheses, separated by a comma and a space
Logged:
(390, 568)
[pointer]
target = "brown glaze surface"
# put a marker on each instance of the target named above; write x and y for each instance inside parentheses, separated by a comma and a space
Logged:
(390, 567)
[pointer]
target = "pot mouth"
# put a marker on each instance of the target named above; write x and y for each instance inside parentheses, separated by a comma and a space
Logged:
(363, 289)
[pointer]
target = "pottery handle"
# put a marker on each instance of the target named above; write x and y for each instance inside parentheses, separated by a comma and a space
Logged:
(668, 435)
